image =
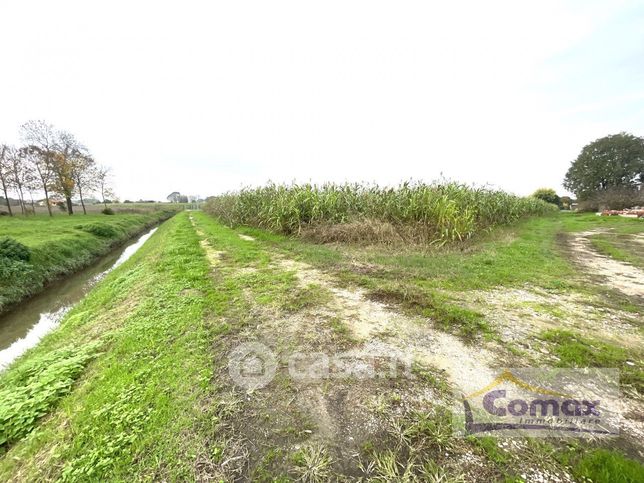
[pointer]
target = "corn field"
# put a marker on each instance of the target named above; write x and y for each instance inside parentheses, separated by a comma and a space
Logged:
(440, 212)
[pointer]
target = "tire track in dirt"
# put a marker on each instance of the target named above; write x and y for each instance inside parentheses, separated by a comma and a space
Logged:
(618, 275)
(213, 256)
(469, 368)
(382, 329)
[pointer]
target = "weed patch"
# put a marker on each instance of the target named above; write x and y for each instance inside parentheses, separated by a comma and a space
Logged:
(32, 391)
(604, 466)
(13, 250)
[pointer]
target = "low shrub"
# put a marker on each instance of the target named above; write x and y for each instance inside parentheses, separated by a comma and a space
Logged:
(548, 195)
(12, 270)
(98, 229)
(13, 250)
(107, 211)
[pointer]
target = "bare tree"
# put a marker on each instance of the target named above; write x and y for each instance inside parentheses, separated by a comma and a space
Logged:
(19, 175)
(40, 170)
(102, 175)
(39, 165)
(40, 140)
(32, 185)
(5, 177)
(39, 133)
(83, 173)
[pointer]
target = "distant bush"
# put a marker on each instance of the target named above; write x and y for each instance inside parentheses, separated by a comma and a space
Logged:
(99, 229)
(548, 195)
(107, 211)
(425, 212)
(4, 213)
(13, 250)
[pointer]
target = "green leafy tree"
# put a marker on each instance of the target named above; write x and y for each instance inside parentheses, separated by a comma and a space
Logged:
(615, 161)
(67, 150)
(548, 195)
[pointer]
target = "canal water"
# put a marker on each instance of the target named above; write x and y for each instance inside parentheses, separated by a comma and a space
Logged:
(23, 327)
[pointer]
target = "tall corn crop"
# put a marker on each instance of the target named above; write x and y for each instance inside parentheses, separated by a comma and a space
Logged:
(441, 212)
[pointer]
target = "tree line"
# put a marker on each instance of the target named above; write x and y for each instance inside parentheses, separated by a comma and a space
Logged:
(607, 174)
(53, 162)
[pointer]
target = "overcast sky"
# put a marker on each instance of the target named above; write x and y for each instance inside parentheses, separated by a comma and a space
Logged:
(203, 97)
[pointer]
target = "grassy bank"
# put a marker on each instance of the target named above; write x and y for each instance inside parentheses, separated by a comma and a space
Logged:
(134, 385)
(365, 213)
(126, 388)
(38, 249)
(127, 396)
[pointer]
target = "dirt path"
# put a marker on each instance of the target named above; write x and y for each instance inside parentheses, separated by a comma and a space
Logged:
(334, 413)
(382, 329)
(342, 414)
(618, 275)
(468, 367)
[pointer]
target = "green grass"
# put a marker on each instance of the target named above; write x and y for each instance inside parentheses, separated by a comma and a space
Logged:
(62, 245)
(138, 397)
(134, 408)
(312, 295)
(575, 350)
(621, 248)
(528, 252)
(605, 466)
(448, 315)
(428, 280)
(129, 387)
(313, 464)
(490, 446)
